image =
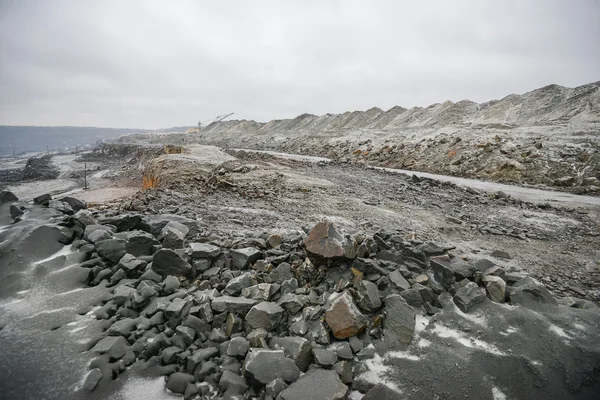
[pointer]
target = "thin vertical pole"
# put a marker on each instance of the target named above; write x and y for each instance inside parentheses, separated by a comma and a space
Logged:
(76, 150)
(85, 175)
(47, 149)
(14, 155)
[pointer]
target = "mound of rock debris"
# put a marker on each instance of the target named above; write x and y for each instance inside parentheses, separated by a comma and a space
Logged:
(291, 316)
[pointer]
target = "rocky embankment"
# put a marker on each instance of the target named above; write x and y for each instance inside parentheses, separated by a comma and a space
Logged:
(546, 137)
(322, 313)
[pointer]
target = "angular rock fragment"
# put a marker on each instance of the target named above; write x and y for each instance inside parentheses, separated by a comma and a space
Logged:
(264, 366)
(92, 379)
(325, 241)
(442, 271)
(167, 262)
(264, 315)
(7, 197)
(368, 296)
(111, 249)
(382, 392)
(495, 288)
(242, 258)
(115, 346)
(74, 203)
(316, 384)
(399, 322)
(178, 382)
(236, 305)
(344, 318)
(232, 384)
(203, 251)
(468, 296)
(530, 293)
(282, 273)
(325, 358)
(173, 238)
(296, 348)
(235, 285)
(398, 280)
(43, 199)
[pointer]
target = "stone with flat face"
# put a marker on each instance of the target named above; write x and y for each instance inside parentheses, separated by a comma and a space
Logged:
(344, 318)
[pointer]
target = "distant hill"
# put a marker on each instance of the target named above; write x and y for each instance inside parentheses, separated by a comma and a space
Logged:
(24, 139)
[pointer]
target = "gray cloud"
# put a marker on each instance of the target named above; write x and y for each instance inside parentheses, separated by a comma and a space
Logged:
(158, 64)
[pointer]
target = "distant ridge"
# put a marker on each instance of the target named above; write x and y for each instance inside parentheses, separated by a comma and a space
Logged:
(552, 104)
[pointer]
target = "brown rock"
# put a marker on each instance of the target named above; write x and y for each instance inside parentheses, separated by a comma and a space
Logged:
(344, 318)
(324, 241)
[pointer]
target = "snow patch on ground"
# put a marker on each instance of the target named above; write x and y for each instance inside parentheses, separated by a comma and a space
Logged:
(559, 331)
(379, 373)
(497, 394)
(65, 251)
(402, 354)
(470, 342)
(144, 388)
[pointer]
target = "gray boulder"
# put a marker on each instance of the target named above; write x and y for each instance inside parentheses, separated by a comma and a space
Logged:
(265, 315)
(316, 384)
(264, 366)
(167, 262)
(530, 293)
(368, 296)
(236, 305)
(111, 249)
(282, 273)
(468, 296)
(325, 358)
(92, 379)
(399, 322)
(242, 258)
(442, 271)
(382, 392)
(234, 286)
(178, 382)
(114, 346)
(74, 203)
(173, 238)
(203, 251)
(7, 197)
(295, 347)
(398, 280)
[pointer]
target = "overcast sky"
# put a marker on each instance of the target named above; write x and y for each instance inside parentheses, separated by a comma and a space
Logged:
(152, 64)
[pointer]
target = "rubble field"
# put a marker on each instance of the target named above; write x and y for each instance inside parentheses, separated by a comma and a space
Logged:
(237, 274)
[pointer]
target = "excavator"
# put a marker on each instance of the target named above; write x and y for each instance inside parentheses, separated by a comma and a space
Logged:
(208, 122)
(204, 124)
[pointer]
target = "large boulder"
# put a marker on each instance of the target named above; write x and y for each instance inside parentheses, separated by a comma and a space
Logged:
(114, 346)
(325, 241)
(234, 286)
(468, 296)
(242, 258)
(495, 288)
(316, 384)
(167, 262)
(236, 305)
(344, 318)
(75, 203)
(368, 297)
(7, 197)
(399, 322)
(531, 293)
(264, 366)
(295, 347)
(264, 315)
(111, 249)
(203, 251)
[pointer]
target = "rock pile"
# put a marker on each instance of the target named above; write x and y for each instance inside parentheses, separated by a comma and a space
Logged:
(272, 316)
